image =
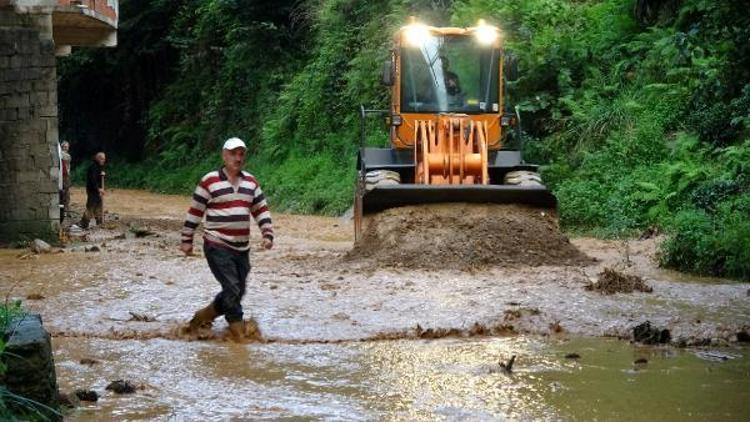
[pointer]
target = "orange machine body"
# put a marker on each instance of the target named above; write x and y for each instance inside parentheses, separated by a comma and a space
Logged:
(449, 148)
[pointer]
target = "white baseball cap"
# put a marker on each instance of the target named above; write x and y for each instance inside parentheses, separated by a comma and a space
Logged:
(233, 143)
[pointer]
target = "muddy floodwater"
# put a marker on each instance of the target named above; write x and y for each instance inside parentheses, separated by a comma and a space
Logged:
(354, 341)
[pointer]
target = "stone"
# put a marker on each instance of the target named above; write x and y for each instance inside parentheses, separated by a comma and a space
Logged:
(40, 246)
(87, 395)
(121, 387)
(646, 334)
(30, 367)
(69, 401)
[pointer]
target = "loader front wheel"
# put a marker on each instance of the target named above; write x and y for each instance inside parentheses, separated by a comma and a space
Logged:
(381, 178)
(523, 178)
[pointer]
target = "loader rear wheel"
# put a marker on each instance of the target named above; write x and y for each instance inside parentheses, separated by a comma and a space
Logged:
(523, 178)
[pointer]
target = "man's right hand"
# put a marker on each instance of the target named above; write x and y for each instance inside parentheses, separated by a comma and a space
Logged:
(186, 248)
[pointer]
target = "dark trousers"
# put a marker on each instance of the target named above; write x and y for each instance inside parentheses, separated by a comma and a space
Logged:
(94, 209)
(230, 269)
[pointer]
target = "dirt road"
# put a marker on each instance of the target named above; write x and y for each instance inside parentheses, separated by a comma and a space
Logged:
(304, 292)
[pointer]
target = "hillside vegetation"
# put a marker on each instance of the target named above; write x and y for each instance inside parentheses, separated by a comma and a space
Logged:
(638, 110)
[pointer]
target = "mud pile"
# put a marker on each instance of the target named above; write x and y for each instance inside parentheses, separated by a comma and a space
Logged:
(612, 281)
(464, 236)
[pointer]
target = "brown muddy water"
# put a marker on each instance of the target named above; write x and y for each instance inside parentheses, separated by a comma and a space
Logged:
(351, 341)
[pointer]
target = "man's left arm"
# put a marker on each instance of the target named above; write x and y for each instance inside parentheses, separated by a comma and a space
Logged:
(262, 216)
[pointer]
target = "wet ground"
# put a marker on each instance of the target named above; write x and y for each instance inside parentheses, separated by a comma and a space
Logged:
(350, 341)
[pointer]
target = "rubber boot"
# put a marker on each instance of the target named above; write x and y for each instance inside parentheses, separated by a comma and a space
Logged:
(203, 317)
(237, 332)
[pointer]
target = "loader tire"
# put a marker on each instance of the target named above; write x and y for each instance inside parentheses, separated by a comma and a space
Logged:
(523, 178)
(381, 178)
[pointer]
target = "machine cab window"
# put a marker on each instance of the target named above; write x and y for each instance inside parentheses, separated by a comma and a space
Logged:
(449, 74)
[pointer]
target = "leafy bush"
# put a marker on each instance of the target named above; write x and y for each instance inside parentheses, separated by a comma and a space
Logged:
(711, 245)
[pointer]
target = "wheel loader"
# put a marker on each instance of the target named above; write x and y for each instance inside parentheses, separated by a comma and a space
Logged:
(447, 123)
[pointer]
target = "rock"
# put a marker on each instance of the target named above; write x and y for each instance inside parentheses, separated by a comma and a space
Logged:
(88, 361)
(87, 395)
(40, 246)
(743, 337)
(30, 366)
(70, 401)
(640, 361)
(572, 356)
(646, 334)
(34, 296)
(121, 387)
(93, 249)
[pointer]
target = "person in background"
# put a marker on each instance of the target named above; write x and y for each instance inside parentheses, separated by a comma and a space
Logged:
(65, 173)
(94, 191)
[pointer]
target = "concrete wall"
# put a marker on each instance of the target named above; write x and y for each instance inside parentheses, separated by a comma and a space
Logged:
(29, 166)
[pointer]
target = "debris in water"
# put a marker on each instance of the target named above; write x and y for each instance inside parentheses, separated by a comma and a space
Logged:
(715, 355)
(141, 317)
(646, 334)
(88, 395)
(572, 356)
(508, 366)
(35, 296)
(612, 281)
(556, 328)
(121, 387)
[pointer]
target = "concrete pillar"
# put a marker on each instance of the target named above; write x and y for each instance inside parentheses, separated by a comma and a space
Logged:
(29, 163)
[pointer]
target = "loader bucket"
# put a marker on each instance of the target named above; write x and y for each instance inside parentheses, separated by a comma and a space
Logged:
(390, 196)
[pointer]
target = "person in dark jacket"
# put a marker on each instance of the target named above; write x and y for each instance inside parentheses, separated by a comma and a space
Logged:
(94, 191)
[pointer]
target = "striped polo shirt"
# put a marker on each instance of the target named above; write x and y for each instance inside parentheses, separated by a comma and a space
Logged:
(227, 209)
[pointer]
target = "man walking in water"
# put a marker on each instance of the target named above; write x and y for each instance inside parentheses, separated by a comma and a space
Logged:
(227, 197)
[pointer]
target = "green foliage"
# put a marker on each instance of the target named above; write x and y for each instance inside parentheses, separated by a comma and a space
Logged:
(708, 244)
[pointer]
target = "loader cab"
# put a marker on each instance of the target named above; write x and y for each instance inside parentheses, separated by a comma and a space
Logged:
(437, 71)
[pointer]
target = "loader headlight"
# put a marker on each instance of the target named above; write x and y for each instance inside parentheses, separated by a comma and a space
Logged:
(416, 34)
(486, 34)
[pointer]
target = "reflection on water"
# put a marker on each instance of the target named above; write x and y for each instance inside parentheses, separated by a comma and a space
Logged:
(405, 380)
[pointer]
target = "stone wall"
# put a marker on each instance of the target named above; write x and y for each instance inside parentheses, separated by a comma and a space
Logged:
(30, 366)
(29, 166)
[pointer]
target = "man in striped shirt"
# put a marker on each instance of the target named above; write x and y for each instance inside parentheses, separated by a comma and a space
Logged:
(228, 197)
